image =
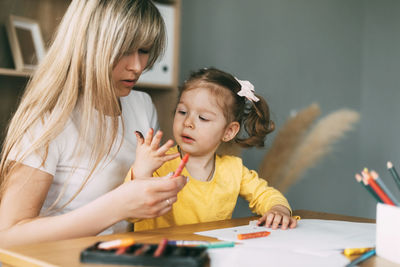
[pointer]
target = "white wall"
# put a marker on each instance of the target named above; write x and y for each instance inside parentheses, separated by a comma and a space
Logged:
(337, 53)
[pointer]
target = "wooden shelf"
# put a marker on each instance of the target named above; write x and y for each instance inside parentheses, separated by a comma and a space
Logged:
(27, 74)
(12, 72)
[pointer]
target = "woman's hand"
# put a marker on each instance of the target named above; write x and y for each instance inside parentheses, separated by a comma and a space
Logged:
(278, 215)
(23, 198)
(148, 197)
(150, 155)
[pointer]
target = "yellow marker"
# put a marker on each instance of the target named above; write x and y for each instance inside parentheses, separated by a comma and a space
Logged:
(297, 217)
(116, 243)
(355, 251)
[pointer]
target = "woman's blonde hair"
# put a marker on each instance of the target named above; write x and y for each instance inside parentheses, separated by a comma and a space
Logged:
(91, 38)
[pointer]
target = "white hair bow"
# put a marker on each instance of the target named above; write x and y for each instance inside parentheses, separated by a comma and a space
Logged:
(247, 90)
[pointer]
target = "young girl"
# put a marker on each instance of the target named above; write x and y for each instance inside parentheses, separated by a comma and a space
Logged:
(67, 151)
(213, 107)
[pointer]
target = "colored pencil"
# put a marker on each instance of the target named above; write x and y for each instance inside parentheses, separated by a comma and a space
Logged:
(362, 258)
(364, 183)
(385, 189)
(376, 188)
(394, 173)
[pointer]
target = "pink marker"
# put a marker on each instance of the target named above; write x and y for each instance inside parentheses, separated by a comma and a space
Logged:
(181, 165)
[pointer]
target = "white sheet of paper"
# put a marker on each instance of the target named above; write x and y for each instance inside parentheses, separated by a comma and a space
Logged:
(310, 236)
(242, 255)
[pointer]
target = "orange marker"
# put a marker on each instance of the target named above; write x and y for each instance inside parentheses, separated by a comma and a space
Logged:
(252, 235)
(116, 243)
(181, 165)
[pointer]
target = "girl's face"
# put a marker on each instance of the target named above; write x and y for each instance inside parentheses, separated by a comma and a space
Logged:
(199, 123)
(128, 70)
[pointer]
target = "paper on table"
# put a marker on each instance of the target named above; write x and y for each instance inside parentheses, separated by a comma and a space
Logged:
(241, 256)
(309, 235)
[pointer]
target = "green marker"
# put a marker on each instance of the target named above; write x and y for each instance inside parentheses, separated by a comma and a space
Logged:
(221, 244)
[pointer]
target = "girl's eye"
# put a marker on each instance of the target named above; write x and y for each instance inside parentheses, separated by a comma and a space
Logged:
(182, 112)
(203, 119)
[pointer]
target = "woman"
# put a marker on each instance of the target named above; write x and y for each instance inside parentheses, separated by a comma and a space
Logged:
(71, 139)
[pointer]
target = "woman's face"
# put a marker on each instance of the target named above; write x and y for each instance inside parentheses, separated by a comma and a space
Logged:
(128, 70)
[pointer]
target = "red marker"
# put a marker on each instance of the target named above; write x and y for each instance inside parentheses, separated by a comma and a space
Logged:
(253, 235)
(181, 165)
(161, 248)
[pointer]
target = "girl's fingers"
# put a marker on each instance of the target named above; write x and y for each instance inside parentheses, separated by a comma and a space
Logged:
(269, 220)
(164, 148)
(169, 157)
(155, 143)
(293, 223)
(139, 137)
(261, 221)
(285, 222)
(277, 221)
(149, 137)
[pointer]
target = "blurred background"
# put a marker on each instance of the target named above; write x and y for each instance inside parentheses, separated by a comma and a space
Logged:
(337, 53)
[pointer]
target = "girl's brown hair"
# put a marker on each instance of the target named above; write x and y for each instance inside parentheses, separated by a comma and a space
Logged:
(253, 117)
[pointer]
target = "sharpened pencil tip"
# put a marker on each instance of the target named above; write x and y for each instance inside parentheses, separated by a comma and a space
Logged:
(374, 175)
(389, 165)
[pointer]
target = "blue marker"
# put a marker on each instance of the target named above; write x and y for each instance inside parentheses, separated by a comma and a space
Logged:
(206, 244)
(362, 258)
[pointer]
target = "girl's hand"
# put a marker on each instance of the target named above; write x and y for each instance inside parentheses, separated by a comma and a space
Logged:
(149, 155)
(278, 215)
(147, 197)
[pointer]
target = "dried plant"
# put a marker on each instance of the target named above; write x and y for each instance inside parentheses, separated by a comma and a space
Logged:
(285, 143)
(316, 144)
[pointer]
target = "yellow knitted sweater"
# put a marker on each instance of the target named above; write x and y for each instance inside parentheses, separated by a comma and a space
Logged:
(214, 200)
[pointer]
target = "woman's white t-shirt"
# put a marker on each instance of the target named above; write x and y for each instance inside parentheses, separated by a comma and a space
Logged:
(138, 114)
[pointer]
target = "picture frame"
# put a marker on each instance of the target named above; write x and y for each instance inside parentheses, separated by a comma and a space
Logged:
(26, 42)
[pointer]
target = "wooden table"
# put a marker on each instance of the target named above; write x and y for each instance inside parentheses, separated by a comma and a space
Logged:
(66, 252)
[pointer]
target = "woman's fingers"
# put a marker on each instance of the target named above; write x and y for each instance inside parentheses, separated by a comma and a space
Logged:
(169, 184)
(164, 210)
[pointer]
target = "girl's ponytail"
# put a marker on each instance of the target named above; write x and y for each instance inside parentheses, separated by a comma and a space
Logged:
(256, 123)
